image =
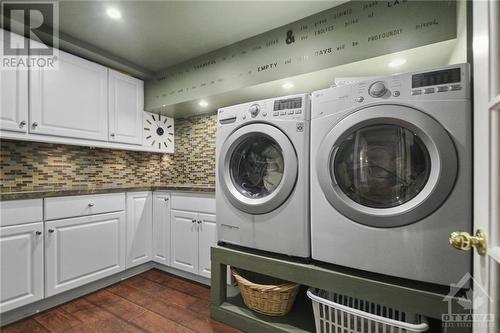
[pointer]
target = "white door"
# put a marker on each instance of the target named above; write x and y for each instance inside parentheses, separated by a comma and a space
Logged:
(21, 274)
(486, 41)
(139, 228)
(207, 237)
(71, 101)
(83, 249)
(126, 104)
(14, 94)
(184, 241)
(161, 228)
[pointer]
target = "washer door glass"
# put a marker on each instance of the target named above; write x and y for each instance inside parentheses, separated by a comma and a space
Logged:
(257, 166)
(386, 165)
(381, 166)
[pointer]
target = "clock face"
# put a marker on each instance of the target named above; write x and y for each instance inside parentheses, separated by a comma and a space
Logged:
(158, 132)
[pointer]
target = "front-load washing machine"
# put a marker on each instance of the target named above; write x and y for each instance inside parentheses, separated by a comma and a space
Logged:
(391, 174)
(262, 191)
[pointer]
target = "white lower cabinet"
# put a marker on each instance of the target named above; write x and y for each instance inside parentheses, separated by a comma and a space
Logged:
(87, 238)
(83, 249)
(184, 241)
(192, 233)
(139, 228)
(161, 228)
(21, 257)
(207, 237)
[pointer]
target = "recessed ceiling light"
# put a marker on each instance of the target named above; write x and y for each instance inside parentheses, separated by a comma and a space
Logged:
(203, 103)
(397, 62)
(288, 85)
(114, 13)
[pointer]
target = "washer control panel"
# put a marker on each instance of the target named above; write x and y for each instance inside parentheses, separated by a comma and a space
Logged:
(377, 89)
(294, 107)
(254, 110)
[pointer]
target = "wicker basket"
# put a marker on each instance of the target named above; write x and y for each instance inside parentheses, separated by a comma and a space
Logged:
(274, 299)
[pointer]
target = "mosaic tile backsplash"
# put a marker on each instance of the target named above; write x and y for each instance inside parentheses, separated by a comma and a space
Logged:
(31, 166)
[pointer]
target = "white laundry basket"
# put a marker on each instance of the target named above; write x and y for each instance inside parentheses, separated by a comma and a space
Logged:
(336, 313)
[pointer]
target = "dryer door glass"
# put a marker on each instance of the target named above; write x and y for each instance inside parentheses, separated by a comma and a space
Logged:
(257, 166)
(381, 166)
(387, 165)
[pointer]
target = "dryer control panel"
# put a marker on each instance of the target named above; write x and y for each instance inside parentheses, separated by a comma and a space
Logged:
(451, 82)
(440, 84)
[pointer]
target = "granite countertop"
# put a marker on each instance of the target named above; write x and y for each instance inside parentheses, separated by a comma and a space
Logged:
(4, 196)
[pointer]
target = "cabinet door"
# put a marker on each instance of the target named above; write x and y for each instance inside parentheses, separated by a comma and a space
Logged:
(21, 274)
(83, 249)
(14, 94)
(139, 227)
(184, 241)
(71, 101)
(207, 237)
(161, 228)
(126, 104)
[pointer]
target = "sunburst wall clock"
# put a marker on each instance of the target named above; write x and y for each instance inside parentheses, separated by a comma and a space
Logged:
(158, 132)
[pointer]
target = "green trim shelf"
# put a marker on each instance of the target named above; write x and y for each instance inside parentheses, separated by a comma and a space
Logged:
(228, 307)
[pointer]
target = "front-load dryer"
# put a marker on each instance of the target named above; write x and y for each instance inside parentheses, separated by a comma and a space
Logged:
(262, 164)
(391, 174)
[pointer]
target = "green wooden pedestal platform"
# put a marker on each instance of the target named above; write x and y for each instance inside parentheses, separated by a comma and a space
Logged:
(227, 306)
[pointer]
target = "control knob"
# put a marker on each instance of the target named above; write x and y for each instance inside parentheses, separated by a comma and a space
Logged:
(254, 110)
(377, 89)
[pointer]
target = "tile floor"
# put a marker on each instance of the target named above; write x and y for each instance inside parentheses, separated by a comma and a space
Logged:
(153, 301)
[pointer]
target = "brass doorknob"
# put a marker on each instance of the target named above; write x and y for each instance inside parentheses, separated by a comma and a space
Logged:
(464, 241)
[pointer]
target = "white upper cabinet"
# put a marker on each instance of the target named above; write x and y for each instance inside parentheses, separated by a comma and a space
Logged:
(161, 228)
(14, 94)
(71, 101)
(139, 227)
(126, 103)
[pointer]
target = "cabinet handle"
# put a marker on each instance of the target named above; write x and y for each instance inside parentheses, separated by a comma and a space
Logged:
(166, 199)
(193, 220)
(112, 135)
(51, 231)
(38, 233)
(91, 204)
(22, 124)
(199, 221)
(35, 124)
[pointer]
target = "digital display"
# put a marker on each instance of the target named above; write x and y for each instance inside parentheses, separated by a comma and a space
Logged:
(291, 103)
(433, 78)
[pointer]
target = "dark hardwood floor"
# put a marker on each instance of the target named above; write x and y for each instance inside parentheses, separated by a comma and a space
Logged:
(153, 301)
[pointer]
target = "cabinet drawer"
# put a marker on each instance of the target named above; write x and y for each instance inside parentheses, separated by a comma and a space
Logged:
(20, 212)
(200, 202)
(64, 207)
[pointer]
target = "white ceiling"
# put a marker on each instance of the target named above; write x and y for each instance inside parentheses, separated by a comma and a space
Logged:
(157, 34)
